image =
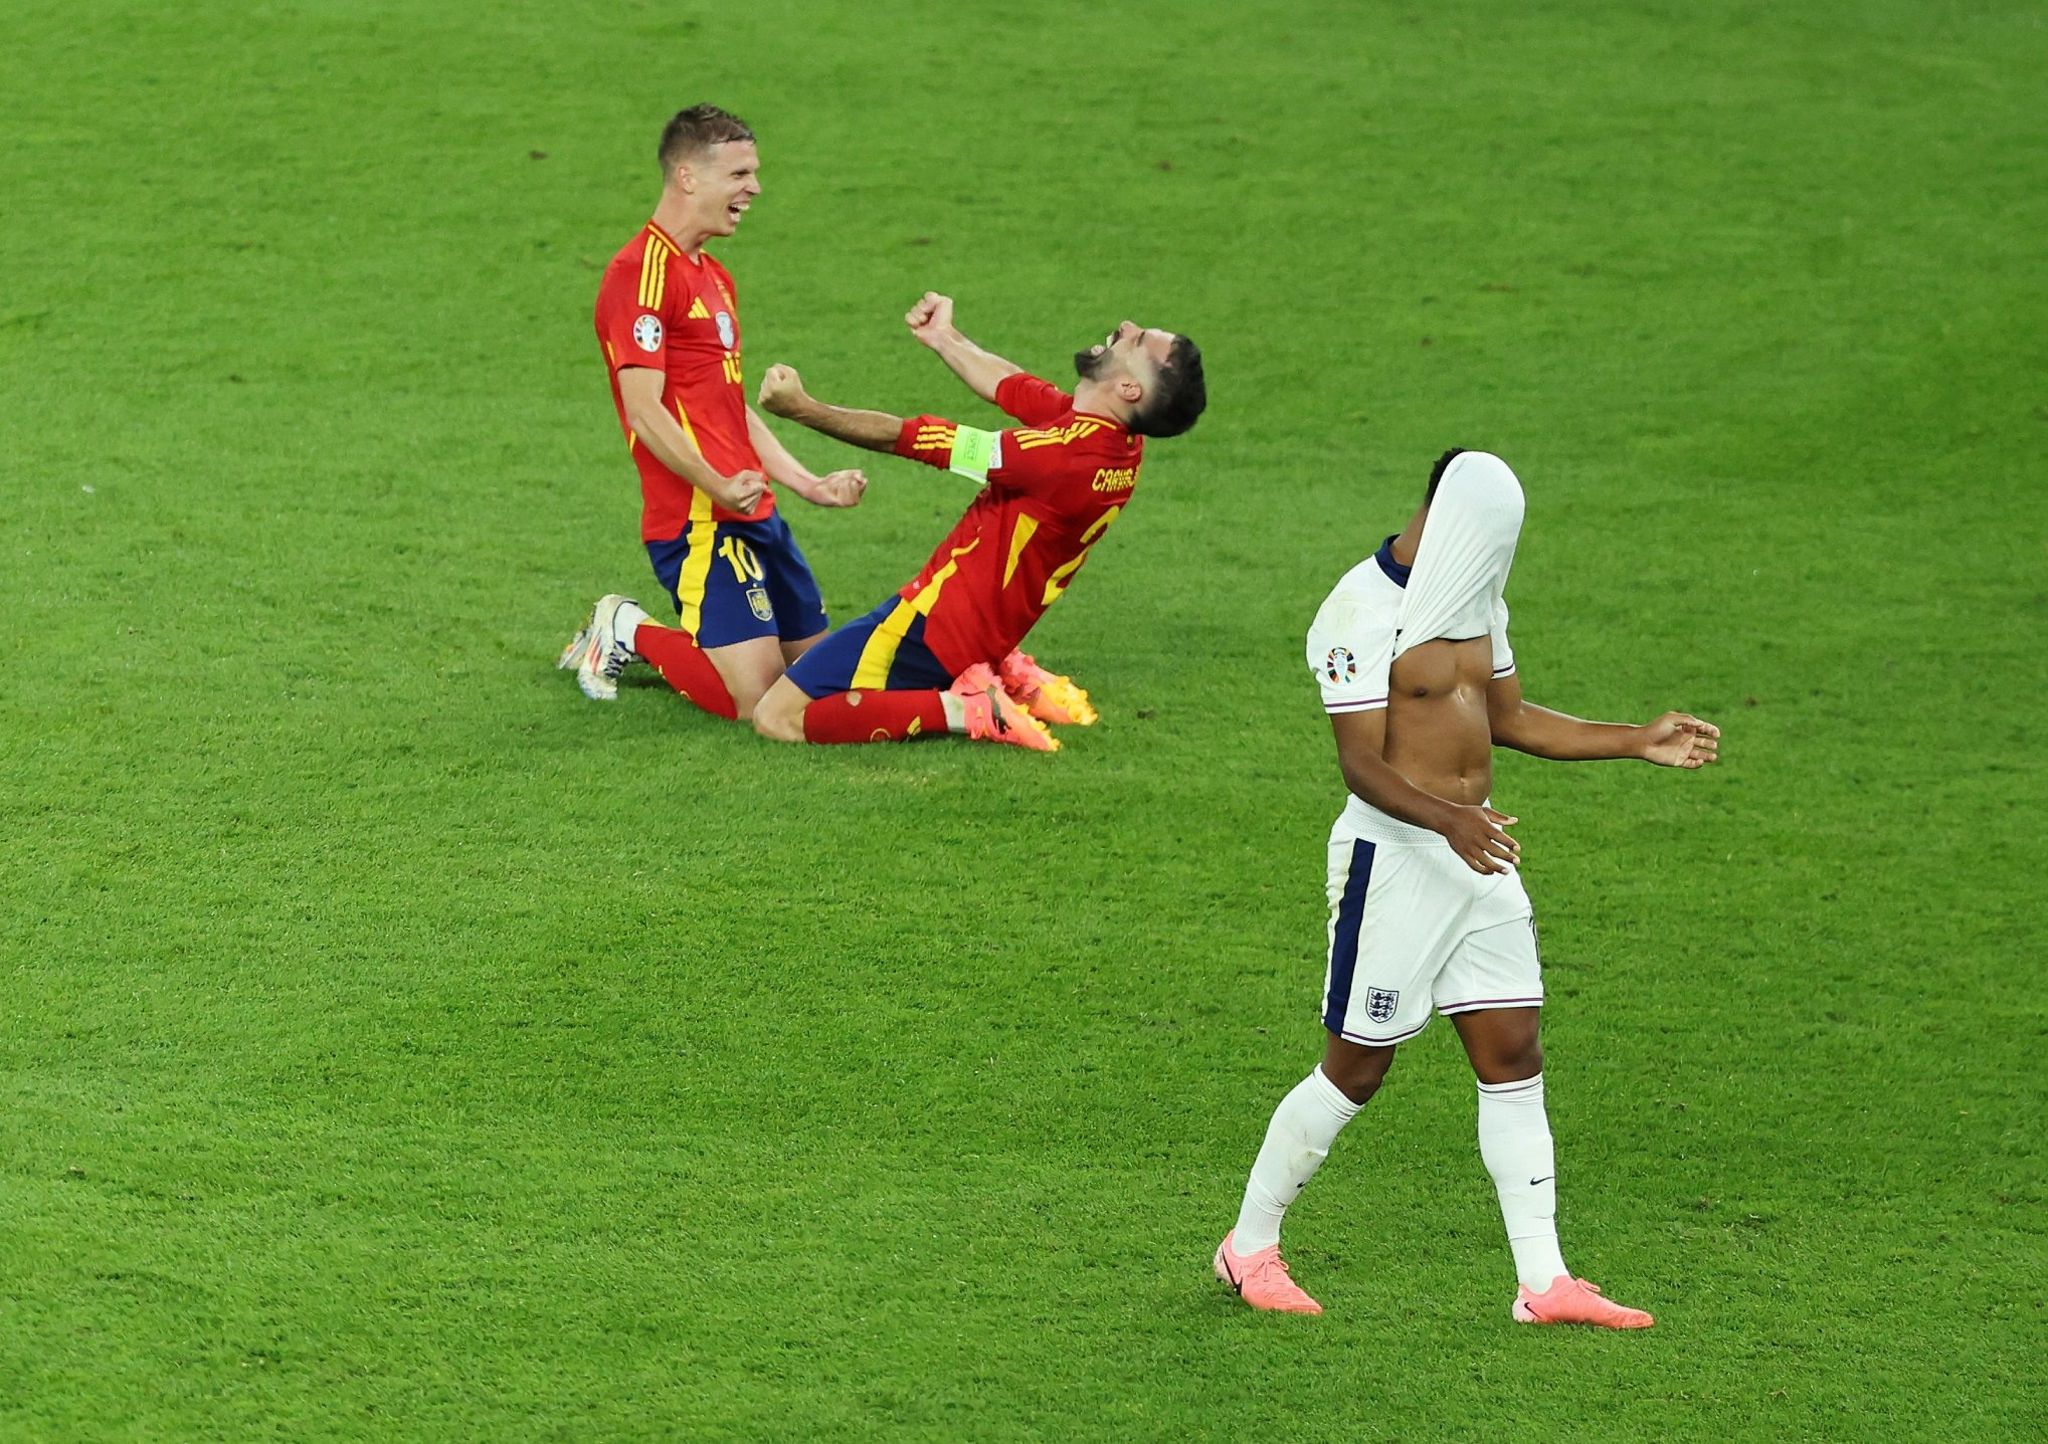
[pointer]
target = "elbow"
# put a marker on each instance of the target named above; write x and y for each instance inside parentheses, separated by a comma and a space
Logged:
(994, 383)
(1517, 735)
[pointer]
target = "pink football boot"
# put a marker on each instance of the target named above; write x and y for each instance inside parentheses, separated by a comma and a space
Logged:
(1574, 1301)
(1261, 1279)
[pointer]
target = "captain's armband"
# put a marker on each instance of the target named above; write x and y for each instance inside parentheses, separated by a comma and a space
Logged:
(975, 453)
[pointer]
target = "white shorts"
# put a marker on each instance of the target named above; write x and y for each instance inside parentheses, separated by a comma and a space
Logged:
(1411, 928)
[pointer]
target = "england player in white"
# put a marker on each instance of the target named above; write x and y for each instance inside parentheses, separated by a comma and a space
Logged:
(1427, 910)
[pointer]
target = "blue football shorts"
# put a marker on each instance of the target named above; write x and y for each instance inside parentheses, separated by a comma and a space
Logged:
(732, 581)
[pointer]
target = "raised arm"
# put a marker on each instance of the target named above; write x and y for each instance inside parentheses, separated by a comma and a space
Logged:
(1677, 739)
(783, 394)
(1475, 833)
(931, 321)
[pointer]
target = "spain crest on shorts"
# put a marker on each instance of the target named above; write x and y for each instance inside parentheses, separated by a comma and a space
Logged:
(757, 599)
(1381, 1002)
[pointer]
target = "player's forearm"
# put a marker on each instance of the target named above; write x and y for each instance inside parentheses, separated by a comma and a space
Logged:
(1372, 780)
(776, 459)
(983, 371)
(1541, 732)
(663, 436)
(874, 430)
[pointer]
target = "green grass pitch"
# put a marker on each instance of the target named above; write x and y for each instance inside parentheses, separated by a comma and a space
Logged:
(395, 1045)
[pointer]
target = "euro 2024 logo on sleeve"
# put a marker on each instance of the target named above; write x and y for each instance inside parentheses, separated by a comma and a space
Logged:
(647, 333)
(1340, 665)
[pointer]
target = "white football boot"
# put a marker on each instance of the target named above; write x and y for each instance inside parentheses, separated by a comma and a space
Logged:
(597, 653)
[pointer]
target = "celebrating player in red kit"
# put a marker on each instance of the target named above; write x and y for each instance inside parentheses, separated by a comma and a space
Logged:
(941, 655)
(668, 321)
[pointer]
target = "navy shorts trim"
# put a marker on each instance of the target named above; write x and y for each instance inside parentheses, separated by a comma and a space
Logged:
(1344, 940)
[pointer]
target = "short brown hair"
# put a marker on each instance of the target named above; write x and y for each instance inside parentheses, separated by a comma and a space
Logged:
(1178, 396)
(693, 131)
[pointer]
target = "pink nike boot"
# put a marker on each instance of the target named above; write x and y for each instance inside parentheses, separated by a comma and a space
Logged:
(1574, 1301)
(1261, 1279)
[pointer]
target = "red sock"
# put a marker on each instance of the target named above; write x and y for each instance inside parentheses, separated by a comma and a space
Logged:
(683, 665)
(875, 717)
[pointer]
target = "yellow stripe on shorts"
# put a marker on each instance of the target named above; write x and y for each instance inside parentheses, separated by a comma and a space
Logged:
(879, 655)
(696, 564)
(871, 673)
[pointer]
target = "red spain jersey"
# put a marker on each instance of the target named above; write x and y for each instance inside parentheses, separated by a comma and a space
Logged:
(659, 308)
(1054, 486)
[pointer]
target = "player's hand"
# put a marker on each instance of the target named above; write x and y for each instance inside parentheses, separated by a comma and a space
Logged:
(1476, 835)
(840, 488)
(930, 317)
(782, 391)
(1678, 739)
(743, 491)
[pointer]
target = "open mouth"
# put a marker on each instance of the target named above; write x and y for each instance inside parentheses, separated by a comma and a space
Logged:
(735, 211)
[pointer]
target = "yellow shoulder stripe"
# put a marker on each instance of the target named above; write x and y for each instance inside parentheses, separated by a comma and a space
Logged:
(1059, 436)
(654, 271)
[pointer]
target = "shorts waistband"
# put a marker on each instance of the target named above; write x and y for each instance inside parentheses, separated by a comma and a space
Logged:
(1362, 821)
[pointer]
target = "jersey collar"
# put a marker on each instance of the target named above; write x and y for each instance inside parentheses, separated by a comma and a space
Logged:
(1396, 573)
(696, 260)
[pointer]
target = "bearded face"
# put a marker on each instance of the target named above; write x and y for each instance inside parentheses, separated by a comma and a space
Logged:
(1096, 361)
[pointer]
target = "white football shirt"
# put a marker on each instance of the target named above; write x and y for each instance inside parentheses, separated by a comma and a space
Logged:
(1351, 650)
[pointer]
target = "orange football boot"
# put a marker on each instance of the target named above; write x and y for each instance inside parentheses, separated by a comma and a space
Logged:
(1045, 695)
(992, 717)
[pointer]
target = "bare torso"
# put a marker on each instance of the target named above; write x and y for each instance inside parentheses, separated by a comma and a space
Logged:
(1437, 733)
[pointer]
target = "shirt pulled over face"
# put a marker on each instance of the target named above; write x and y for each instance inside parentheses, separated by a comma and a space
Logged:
(1456, 585)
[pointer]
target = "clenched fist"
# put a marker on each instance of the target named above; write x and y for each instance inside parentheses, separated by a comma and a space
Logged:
(930, 317)
(839, 488)
(782, 391)
(744, 490)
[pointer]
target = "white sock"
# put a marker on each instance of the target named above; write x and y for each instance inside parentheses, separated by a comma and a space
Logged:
(956, 711)
(626, 624)
(1514, 1140)
(1297, 1141)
